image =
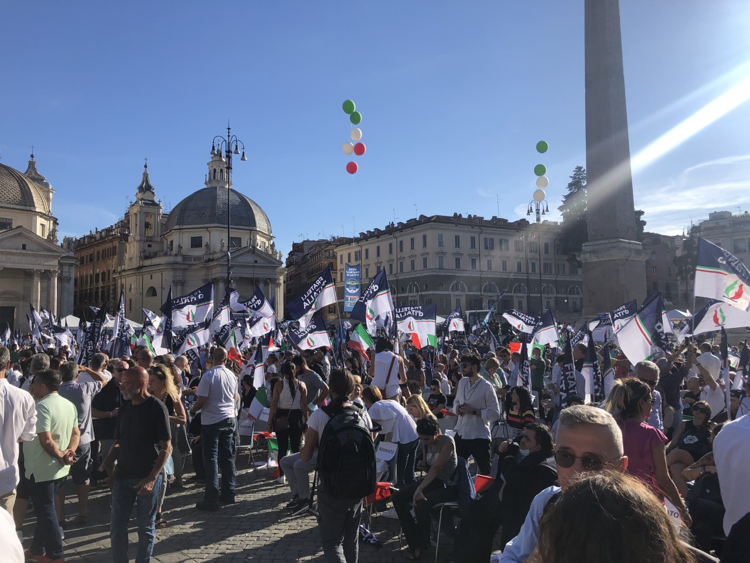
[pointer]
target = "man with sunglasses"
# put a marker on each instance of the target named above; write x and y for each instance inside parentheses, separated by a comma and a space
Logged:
(648, 373)
(588, 440)
(105, 407)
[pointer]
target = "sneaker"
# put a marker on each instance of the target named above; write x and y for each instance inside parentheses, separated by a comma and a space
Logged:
(29, 556)
(297, 504)
(304, 508)
(226, 501)
(209, 506)
(281, 480)
(293, 503)
(390, 513)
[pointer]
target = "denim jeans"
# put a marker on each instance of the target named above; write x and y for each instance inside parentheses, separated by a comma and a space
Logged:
(218, 453)
(338, 525)
(47, 534)
(124, 495)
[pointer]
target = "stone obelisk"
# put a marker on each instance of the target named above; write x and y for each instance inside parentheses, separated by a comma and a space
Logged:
(614, 269)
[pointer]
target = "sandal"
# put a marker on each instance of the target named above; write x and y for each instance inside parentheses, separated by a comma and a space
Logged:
(160, 522)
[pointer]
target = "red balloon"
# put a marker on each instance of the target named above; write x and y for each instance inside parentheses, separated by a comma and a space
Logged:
(359, 149)
(352, 167)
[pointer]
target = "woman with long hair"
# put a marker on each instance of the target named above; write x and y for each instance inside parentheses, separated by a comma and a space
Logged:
(161, 385)
(415, 370)
(630, 402)
(417, 408)
(521, 411)
(288, 411)
(608, 516)
(690, 443)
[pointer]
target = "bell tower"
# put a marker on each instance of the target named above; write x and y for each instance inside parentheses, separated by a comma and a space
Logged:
(145, 223)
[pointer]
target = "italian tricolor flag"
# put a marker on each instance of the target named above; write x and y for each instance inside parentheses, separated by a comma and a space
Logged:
(360, 341)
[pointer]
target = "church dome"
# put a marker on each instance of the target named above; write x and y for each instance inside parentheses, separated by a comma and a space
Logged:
(18, 190)
(208, 208)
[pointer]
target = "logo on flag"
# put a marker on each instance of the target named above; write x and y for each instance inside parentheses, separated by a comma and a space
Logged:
(734, 290)
(310, 342)
(719, 317)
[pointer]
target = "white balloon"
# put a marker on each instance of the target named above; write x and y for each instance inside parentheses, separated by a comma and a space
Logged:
(542, 182)
(539, 195)
(356, 134)
(348, 148)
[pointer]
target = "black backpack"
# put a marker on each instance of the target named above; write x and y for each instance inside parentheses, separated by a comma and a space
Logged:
(346, 454)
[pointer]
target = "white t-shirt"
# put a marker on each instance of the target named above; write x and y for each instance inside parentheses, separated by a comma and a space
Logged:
(732, 458)
(17, 422)
(383, 361)
(84, 377)
(395, 419)
(714, 398)
(711, 363)
(12, 548)
(319, 418)
(219, 386)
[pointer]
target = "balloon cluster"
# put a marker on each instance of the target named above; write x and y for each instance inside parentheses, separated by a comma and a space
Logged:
(356, 147)
(540, 170)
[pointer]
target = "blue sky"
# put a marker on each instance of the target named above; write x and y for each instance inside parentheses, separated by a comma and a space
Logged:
(454, 97)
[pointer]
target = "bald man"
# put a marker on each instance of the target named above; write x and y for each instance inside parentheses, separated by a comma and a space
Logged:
(217, 395)
(142, 446)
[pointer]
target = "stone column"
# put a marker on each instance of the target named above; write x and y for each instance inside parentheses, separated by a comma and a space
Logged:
(613, 261)
(52, 296)
(36, 286)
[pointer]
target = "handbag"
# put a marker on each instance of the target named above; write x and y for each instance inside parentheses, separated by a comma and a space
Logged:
(280, 424)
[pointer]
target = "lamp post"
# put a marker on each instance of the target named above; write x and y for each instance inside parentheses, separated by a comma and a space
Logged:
(540, 206)
(231, 145)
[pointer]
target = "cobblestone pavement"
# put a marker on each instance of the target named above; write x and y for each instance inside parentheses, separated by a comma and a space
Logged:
(257, 528)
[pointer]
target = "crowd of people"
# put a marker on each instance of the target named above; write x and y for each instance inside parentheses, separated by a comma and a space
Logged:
(655, 472)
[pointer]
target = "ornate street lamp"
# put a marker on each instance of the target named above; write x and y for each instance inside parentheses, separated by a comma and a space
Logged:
(230, 145)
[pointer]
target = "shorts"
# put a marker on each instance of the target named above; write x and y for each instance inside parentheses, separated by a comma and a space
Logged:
(80, 471)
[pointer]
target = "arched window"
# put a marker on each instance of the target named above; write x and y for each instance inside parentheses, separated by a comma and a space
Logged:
(214, 173)
(490, 288)
(574, 290)
(519, 289)
(151, 292)
(458, 286)
(548, 290)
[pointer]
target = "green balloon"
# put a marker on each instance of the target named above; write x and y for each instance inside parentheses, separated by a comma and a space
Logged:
(355, 118)
(541, 146)
(540, 170)
(349, 106)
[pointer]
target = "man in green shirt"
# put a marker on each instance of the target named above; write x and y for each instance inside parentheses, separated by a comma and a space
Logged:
(47, 459)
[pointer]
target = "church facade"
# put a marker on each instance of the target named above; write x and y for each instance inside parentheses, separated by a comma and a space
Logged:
(187, 248)
(34, 269)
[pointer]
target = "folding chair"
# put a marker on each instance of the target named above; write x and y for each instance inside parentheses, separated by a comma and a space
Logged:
(247, 442)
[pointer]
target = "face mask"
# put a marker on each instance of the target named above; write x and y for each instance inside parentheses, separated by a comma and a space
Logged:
(524, 453)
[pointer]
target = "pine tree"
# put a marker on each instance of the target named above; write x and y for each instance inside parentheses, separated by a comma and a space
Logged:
(573, 209)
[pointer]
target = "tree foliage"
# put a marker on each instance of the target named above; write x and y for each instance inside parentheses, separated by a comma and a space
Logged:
(573, 209)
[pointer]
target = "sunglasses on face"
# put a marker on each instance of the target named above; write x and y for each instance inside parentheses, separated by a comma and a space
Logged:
(700, 410)
(120, 369)
(566, 460)
(649, 382)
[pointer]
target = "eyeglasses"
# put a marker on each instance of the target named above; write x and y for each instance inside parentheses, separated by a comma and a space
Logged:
(700, 409)
(566, 460)
(649, 382)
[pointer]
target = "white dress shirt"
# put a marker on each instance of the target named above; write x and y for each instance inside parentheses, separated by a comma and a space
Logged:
(732, 458)
(17, 422)
(481, 396)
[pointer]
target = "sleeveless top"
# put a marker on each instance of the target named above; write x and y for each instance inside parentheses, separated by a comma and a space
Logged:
(446, 474)
(285, 399)
(383, 361)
